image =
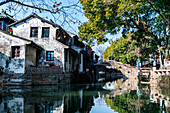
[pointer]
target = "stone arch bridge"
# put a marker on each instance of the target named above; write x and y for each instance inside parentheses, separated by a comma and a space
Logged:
(131, 72)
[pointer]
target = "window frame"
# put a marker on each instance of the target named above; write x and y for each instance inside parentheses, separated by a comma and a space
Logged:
(50, 58)
(43, 36)
(1, 25)
(16, 50)
(31, 34)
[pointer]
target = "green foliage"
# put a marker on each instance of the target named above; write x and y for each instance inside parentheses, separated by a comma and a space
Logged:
(124, 50)
(127, 49)
(88, 32)
(108, 52)
(101, 21)
(110, 16)
(147, 46)
(128, 103)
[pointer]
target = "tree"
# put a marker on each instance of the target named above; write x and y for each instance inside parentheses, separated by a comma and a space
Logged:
(61, 12)
(149, 17)
(128, 49)
(128, 103)
(108, 51)
(99, 50)
(123, 50)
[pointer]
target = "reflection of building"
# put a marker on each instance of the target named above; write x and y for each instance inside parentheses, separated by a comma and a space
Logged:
(59, 109)
(12, 105)
(47, 99)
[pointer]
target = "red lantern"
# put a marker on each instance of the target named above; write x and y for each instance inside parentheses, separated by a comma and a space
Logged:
(10, 31)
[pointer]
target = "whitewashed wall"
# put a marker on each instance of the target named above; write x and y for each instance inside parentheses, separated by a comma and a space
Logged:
(10, 65)
(49, 44)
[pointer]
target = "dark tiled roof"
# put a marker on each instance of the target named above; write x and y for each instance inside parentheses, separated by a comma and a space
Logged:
(3, 14)
(76, 41)
(34, 15)
(32, 43)
(15, 36)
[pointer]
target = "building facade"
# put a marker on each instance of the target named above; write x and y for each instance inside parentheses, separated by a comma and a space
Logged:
(42, 43)
(16, 53)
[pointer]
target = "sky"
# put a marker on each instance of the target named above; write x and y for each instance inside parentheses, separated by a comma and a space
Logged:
(74, 16)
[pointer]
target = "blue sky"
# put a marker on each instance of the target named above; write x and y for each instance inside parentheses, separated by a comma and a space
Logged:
(77, 17)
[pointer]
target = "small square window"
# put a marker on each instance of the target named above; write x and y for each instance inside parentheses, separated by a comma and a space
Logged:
(50, 55)
(34, 31)
(15, 51)
(45, 32)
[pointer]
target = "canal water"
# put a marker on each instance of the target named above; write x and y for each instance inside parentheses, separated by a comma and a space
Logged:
(88, 98)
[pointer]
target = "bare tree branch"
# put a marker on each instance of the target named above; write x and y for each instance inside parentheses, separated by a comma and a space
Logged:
(161, 15)
(61, 13)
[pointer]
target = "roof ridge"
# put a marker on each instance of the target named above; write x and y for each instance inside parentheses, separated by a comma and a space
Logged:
(15, 36)
(37, 16)
(8, 15)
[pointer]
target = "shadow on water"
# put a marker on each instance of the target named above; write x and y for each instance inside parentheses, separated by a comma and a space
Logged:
(84, 98)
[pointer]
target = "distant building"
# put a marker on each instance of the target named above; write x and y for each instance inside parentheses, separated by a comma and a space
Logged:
(5, 20)
(96, 58)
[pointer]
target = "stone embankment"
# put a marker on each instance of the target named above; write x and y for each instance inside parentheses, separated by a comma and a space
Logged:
(38, 76)
(44, 76)
(55, 75)
(152, 76)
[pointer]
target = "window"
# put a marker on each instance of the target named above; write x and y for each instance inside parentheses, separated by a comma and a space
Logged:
(15, 51)
(50, 55)
(57, 32)
(0, 24)
(4, 26)
(34, 31)
(45, 32)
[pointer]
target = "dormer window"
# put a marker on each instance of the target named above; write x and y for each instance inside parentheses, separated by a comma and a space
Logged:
(34, 32)
(45, 32)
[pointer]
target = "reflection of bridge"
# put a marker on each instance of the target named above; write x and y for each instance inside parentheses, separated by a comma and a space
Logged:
(156, 96)
(129, 71)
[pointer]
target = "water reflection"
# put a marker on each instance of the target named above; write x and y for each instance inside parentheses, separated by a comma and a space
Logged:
(49, 99)
(132, 97)
(88, 98)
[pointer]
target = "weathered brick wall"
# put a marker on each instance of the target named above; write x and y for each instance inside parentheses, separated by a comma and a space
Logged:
(38, 76)
(46, 75)
(43, 70)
